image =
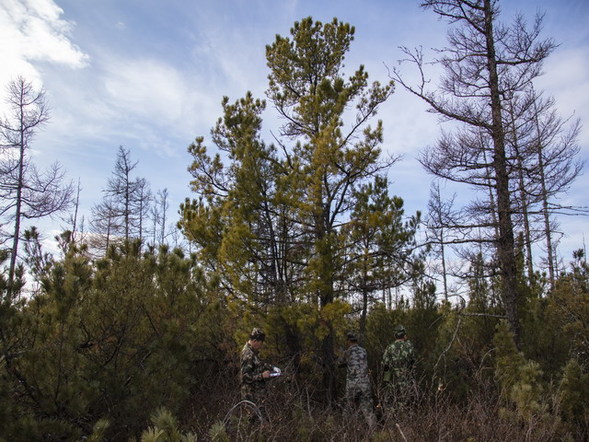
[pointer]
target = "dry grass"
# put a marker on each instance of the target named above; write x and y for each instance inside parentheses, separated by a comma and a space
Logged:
(296, 414)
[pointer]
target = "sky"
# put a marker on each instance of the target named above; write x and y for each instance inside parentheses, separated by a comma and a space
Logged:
(149, 75)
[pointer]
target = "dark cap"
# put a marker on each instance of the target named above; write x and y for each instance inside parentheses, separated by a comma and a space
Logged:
(352, 337)
(257, 334)
(400, 331)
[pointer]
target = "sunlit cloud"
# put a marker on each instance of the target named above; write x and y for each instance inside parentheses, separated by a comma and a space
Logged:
(153, 100)
(566, 80)
(157, 78)
(36, 34)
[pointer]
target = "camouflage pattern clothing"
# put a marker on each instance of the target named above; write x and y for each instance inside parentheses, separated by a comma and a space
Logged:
(358, 393)
(253, 385)
(398, 361)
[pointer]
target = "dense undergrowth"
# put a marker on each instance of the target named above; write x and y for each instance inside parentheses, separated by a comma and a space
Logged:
(141, 346)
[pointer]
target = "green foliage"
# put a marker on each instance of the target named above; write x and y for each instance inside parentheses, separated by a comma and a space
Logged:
(112, 340)
(380, 332)
(304, 241)
(568, 308)
(165, 429)
(527, 392)
(380, 244)
(508, 360)
(462, 345)
(520, 379)
(555, 327)
(218, 433)
(37, 261)
(445, 364)
(572, 394)
(104, 340)
(423, 318)
(99, 431)
(271, 224)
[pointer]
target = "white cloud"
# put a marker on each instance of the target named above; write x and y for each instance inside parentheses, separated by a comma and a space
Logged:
(36, 34)
(567, 81)
(146, 88)
(142, 102)
(151, 90)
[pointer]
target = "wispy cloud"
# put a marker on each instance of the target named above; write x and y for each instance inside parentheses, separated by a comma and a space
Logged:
(147, 88)
(36, 33)
(566, 79)
(158, 73)
(156, 96)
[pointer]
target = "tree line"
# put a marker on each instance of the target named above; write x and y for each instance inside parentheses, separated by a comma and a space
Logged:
(302, 236)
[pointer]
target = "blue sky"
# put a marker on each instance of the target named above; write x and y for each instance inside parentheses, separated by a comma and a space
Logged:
(149, 75)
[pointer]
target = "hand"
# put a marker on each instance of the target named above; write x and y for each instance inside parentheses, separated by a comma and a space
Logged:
(266, 374)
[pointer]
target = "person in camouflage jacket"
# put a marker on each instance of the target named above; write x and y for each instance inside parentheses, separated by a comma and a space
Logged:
(398, 361)
(254, 373)
(358, 390)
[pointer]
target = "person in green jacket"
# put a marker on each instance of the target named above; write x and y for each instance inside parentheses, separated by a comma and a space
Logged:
(254, 373)
(398, 363)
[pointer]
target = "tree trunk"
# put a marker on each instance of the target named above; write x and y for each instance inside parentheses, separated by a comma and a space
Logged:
(505, 242)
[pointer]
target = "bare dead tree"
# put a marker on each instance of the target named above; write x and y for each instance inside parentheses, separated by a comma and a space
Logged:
(483, 63)
(159, 212)
(439, 217)
(543, 155)
(122, 213)
(142, 201)
(104, 224)
(25, 192)
(557, 166)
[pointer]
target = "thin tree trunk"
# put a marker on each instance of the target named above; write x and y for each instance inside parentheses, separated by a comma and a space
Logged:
(505, 241)
(545, 210)
(524, 200)
(18, 212)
